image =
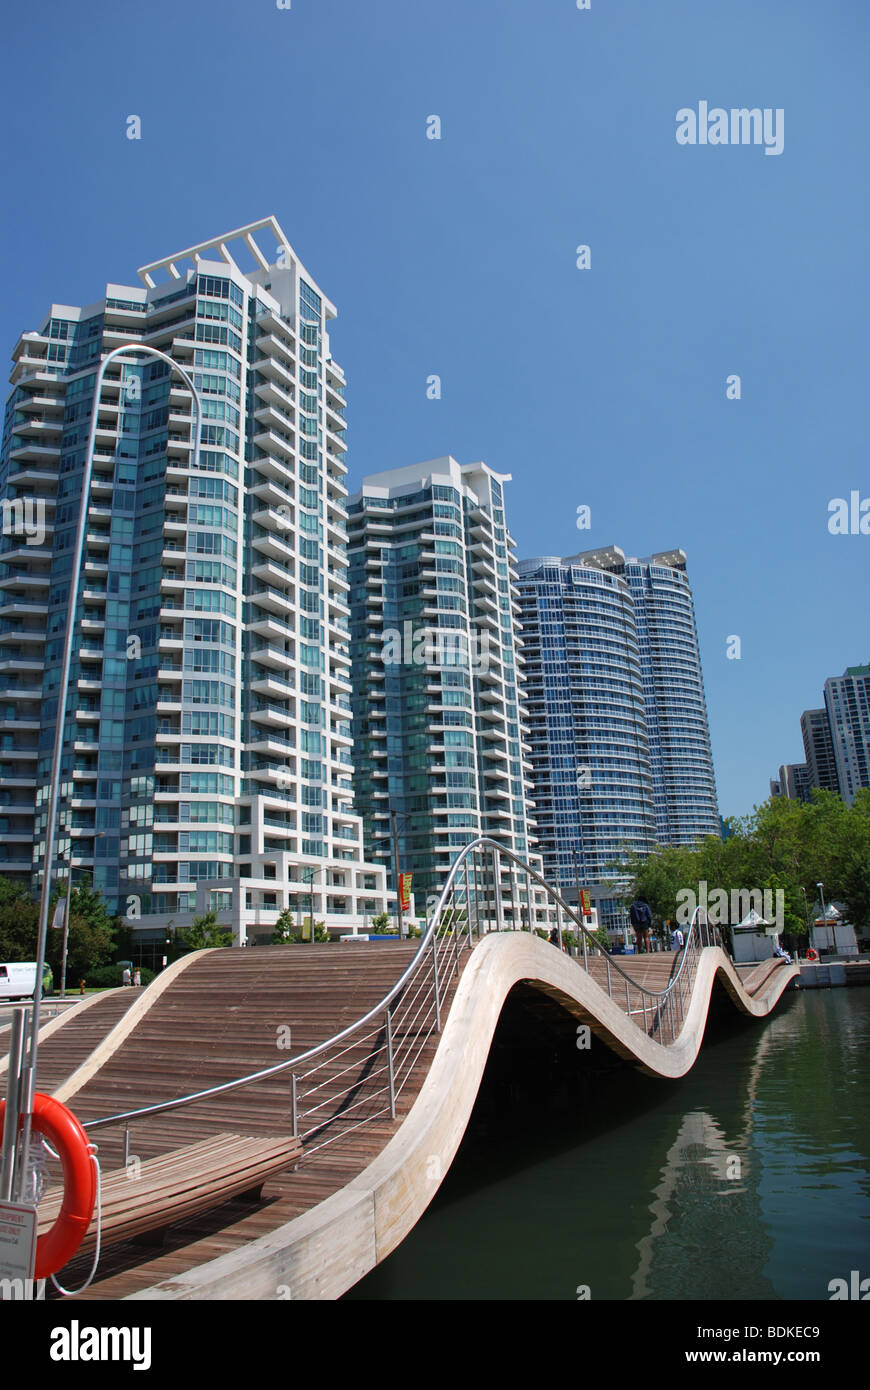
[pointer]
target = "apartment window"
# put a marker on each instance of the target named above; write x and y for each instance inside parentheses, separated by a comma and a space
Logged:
(310, 307)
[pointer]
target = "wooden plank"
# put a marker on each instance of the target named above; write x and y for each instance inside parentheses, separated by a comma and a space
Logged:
(178, 1185)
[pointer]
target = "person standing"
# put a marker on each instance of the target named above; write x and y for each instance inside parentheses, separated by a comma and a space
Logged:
(137, 977)
(125, 978)
(640, 916)
(676, 936)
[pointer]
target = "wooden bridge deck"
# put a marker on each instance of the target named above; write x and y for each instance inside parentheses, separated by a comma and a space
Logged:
(226, 1015)
(69, 1037)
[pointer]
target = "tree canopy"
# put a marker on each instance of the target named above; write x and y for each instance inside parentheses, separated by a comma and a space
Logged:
(783, 844)
(91, 927)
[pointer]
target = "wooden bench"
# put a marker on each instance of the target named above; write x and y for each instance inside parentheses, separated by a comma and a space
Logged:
(177, 1185)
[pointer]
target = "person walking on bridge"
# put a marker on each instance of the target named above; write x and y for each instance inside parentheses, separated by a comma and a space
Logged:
(640, 916)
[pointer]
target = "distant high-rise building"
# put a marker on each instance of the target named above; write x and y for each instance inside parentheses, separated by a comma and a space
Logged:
(684, 783)
(620, 745)
(207, 751)
(437, 698)
(793, 782)
(592, 779)
(848, 710)
(819, 750)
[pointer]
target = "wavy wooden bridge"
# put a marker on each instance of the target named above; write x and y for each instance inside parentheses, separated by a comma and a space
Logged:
(299, 1106)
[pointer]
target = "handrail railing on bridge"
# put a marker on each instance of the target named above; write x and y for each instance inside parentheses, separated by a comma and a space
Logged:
(358, 1075)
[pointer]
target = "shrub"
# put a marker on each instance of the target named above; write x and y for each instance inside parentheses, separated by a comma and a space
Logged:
(109, 977)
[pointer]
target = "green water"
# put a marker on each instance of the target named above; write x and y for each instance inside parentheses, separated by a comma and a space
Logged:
(749, 1179)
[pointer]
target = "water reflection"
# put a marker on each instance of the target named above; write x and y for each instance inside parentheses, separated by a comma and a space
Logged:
(748, 1179)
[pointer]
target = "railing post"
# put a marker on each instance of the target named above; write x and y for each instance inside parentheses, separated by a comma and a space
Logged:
(607, 961)
(294, 1111)
(390, 1066)
(489, 890)
(13, 1102)
(468, 905)
(559, 924)
(126, 1146)
(472, 930)
(435, 980)
(583, 938)
(627, 1000)
(496, 889)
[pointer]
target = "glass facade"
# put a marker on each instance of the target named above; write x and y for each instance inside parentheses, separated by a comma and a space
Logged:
(847, 704)
(207, 736)
(620, 749)
(438, 719)
(684, 784)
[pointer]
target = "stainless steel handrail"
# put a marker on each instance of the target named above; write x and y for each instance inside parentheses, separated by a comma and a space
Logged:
(460, 924)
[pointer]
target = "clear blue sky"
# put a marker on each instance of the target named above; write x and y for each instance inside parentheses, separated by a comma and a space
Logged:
(457, 257)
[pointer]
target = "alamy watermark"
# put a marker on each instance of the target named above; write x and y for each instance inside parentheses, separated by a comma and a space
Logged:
(849, 518)
(713, 125)
(77, 1343)
(431, 646)
(855, 1288)
(24, 516)
(724, 909)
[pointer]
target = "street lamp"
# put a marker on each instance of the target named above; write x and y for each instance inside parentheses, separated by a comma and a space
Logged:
(807, 916)
(821, 888)
(63, 907)
(310, 870)
(395, 817)
(395, 834)
(26, 1103)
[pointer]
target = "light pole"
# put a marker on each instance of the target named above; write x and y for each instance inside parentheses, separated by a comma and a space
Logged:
(395, 816)
(310, 871)
(29, 1078)
(395, 830)
(807, 916)
(821, 888)
(66, 912)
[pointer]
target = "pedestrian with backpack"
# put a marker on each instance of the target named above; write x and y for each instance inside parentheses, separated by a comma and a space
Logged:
(640, 916)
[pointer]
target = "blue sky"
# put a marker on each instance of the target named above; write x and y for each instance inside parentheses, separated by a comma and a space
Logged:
(456, 257)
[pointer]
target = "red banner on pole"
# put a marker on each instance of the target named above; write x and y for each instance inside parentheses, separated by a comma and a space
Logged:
(405, 891)
(585, 902)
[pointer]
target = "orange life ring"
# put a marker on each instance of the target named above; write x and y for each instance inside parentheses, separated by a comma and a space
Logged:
(65, 1134)
(812, 954)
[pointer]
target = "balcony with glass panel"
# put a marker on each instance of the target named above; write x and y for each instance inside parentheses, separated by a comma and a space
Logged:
(270, 683)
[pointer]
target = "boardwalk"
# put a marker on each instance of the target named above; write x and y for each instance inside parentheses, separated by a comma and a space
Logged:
(364, 1178)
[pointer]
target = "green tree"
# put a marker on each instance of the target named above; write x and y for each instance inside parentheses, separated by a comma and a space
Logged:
(204, 933)
(89, 946)
(19, 921)
(783, 845)
(91, 938)
(320, 932)
(283, 929)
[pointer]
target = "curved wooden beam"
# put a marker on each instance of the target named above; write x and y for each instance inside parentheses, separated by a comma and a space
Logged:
(325, 1251)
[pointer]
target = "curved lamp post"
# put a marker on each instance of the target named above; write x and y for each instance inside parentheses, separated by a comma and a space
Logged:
(821, 888)
(26, 1103)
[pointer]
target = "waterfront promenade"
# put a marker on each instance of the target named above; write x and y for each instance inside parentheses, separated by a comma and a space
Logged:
(357, 1069)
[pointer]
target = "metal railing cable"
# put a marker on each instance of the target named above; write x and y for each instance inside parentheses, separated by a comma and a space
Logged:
(357, 1076)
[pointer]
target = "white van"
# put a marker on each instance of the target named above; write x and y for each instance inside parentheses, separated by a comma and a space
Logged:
(18, 979)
